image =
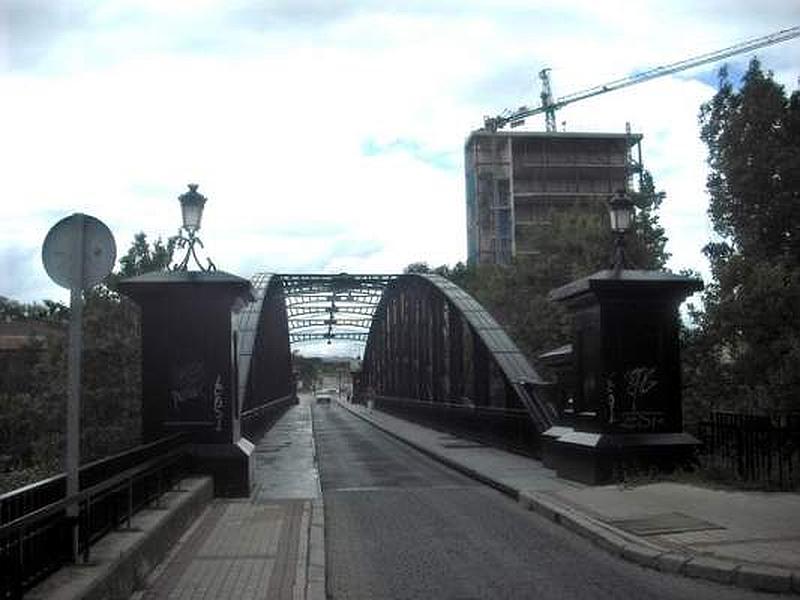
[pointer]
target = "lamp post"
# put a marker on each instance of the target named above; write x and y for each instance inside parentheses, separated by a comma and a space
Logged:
(620, 211)
(192, 203)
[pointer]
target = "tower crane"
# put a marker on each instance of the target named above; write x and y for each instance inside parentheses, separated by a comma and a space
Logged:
(549, 105)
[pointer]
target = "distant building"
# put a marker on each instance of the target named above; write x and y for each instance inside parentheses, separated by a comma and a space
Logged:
(514, 180)
(21, 343)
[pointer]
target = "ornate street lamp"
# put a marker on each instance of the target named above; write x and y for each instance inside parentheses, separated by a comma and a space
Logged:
(192, 203)
(620, 210)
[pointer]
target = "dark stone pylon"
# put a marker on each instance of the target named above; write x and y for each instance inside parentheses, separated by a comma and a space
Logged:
(188, 374)
(627, 409)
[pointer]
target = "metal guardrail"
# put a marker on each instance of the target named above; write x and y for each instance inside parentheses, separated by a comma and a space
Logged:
(255, 421)
(36, 533)
(25, 500)
(508, 428)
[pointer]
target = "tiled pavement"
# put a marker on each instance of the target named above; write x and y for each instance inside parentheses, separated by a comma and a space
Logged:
(268, 546)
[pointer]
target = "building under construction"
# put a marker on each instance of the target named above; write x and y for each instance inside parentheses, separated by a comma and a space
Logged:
(515, 180)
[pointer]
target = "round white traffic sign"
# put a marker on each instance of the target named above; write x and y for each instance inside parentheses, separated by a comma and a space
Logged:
(79, 251)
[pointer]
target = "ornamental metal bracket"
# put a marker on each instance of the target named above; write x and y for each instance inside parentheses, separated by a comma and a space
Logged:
(189, 241)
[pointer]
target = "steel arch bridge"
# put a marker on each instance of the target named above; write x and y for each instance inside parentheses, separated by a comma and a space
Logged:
(432, 352)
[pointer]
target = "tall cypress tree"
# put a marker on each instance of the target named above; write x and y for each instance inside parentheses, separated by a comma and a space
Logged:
(751, 325)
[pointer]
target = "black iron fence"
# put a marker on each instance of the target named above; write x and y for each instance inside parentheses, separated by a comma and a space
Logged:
(761, 449)
(507, 428)
(35, 532)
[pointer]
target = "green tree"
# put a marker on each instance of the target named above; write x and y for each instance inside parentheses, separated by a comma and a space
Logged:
(142, 257)
(112, 353)
(308, 369)
(33, 421)
(50, 311)
(749, 334)
(418, 267)
(575, 243)
(648, 241)
(455, 273)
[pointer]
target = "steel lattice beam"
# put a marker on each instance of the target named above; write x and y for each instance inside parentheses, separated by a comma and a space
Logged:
(295, 324)
(330, 307)
(317, 337)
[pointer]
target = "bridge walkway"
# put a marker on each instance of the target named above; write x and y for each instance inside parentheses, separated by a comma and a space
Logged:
(268, 546)
(272, 545)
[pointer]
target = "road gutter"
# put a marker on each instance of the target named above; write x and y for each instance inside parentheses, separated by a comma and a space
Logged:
(315, 566)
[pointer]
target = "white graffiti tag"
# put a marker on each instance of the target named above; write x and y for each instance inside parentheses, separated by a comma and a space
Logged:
(640, 381)
(218, 402)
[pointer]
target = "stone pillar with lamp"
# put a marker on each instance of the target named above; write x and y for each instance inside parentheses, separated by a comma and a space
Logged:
(188, 363)
(627, 412)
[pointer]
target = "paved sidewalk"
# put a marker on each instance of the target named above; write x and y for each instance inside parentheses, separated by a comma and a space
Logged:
(751, 539)
(268, 546)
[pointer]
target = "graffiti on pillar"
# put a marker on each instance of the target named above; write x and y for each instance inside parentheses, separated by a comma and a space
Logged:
(640, 381)
(627, 412)
(219, 402)
(186, 390)
(611, 399)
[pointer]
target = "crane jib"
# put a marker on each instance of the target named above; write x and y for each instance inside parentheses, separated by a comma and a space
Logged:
(549, 106)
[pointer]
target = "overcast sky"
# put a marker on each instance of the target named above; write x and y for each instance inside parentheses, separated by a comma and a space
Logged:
(328, 134)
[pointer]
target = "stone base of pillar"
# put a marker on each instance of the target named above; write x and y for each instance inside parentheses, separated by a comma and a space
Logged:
(548, 440)
(600, 458)
(231, 465)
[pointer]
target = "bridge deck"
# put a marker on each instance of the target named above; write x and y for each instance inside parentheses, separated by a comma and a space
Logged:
(272, 544)
(750, 538)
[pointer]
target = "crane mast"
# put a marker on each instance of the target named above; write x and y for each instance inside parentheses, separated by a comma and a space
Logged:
(549, 105)
(547, 102)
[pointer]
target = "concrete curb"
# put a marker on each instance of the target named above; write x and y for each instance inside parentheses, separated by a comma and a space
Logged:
(646, 554)
(157, 571)
(121, 561)
(622, 544)
(301, 564)
(316, 582)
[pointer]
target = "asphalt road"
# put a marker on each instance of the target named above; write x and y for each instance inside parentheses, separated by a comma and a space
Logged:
(400, 525)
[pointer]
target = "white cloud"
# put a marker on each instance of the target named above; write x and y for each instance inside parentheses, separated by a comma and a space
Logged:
(269, 106)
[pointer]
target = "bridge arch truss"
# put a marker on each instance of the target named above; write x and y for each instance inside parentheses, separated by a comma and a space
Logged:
(429, 346)
(432, 342)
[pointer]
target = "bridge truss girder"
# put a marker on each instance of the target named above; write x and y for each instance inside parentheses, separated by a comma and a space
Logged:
(299, 338)
(262, 358)
(432, 341)
(425, 339)
(331, 307)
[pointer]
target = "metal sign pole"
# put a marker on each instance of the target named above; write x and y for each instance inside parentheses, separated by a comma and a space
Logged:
(74, 380)
(77, 253)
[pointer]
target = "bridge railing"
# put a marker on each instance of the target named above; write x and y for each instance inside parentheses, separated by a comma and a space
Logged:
(257, 420)
(504, 427)
(35, 532)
